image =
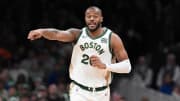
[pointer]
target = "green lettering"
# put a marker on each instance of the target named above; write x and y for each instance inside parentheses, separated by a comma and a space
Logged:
(98, 47)
(82, 48)
(91, 45)
(101, 51)
(86, 45)
(95, 45)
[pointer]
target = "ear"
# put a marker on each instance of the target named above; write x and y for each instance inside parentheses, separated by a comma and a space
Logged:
(101, 19)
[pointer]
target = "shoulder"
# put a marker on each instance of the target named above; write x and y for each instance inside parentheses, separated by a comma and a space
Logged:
(75, 31)
(113, 35)
(115, 39)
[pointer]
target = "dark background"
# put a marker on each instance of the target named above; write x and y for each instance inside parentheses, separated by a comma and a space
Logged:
(147, 27)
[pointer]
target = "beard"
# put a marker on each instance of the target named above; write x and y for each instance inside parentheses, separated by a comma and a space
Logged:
(93, 30)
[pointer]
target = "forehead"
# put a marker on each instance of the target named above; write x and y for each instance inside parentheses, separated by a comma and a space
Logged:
(93, 11)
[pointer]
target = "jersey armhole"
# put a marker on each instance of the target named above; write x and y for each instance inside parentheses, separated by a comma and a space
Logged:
(110, 47)
(77, 37)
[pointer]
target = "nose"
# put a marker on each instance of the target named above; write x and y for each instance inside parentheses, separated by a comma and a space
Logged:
(91, 18)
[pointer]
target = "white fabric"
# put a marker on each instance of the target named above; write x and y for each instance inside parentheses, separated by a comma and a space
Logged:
(79, 94)
(120, 67)
(84, 48)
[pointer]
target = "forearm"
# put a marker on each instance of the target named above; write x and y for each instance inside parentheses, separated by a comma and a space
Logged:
(120, 67)
(50, 33)
(54, 34)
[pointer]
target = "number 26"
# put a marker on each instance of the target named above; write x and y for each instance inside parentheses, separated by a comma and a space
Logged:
(85, 59)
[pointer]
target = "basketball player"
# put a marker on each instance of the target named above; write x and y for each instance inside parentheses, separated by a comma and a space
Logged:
(91, 61)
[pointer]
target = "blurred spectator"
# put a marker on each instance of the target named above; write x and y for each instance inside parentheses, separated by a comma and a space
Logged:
(63, 90)
(142, 75)
(115, 96)
(3, 92)
(167, 83)
(37, 82)
(53, 93)
(17, 74)
(1, 99)
(4, 77)
(170, 67)
(25, 97)
(42, 93)
(36, 71)
(145, 98)
(176, 92)
(58, 72)
(46, 61)
(33, 97)
(23, 89)
(21, 79)
(30, 61)
(13, 94)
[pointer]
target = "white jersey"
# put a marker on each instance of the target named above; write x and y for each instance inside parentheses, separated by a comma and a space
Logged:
(81, 70)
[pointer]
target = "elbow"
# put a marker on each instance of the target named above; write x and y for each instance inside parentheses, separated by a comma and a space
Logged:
(129, 69)
(121, 67)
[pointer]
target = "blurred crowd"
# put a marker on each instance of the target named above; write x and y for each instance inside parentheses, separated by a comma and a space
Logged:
(38, 70)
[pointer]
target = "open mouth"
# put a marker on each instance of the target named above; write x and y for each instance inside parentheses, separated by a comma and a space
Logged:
(92, 25)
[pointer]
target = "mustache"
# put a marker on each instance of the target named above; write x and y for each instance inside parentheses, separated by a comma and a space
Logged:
(93, 30)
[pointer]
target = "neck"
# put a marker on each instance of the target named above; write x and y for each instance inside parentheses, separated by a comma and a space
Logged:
(96, 32)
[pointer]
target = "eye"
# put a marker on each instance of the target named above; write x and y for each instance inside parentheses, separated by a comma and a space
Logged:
(95, 16)
(88, 16)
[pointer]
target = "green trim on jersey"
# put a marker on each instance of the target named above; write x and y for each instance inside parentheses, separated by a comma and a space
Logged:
(112, 77)
(110, 48)
(78, 37)
(111, 51)
(102, 34)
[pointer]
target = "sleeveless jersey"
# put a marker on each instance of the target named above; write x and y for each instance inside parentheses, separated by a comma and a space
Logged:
(81, 70)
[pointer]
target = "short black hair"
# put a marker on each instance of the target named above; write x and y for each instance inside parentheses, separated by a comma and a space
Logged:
(95, 8)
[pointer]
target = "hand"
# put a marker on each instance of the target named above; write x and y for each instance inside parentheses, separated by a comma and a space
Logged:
(96, 62)
(35, 34)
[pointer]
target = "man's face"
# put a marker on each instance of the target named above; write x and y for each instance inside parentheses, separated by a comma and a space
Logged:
(93, 19)
(52, 89)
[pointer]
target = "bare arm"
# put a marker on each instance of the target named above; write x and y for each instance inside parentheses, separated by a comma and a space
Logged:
(69, 35)
(118, 48)
(123, 65)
